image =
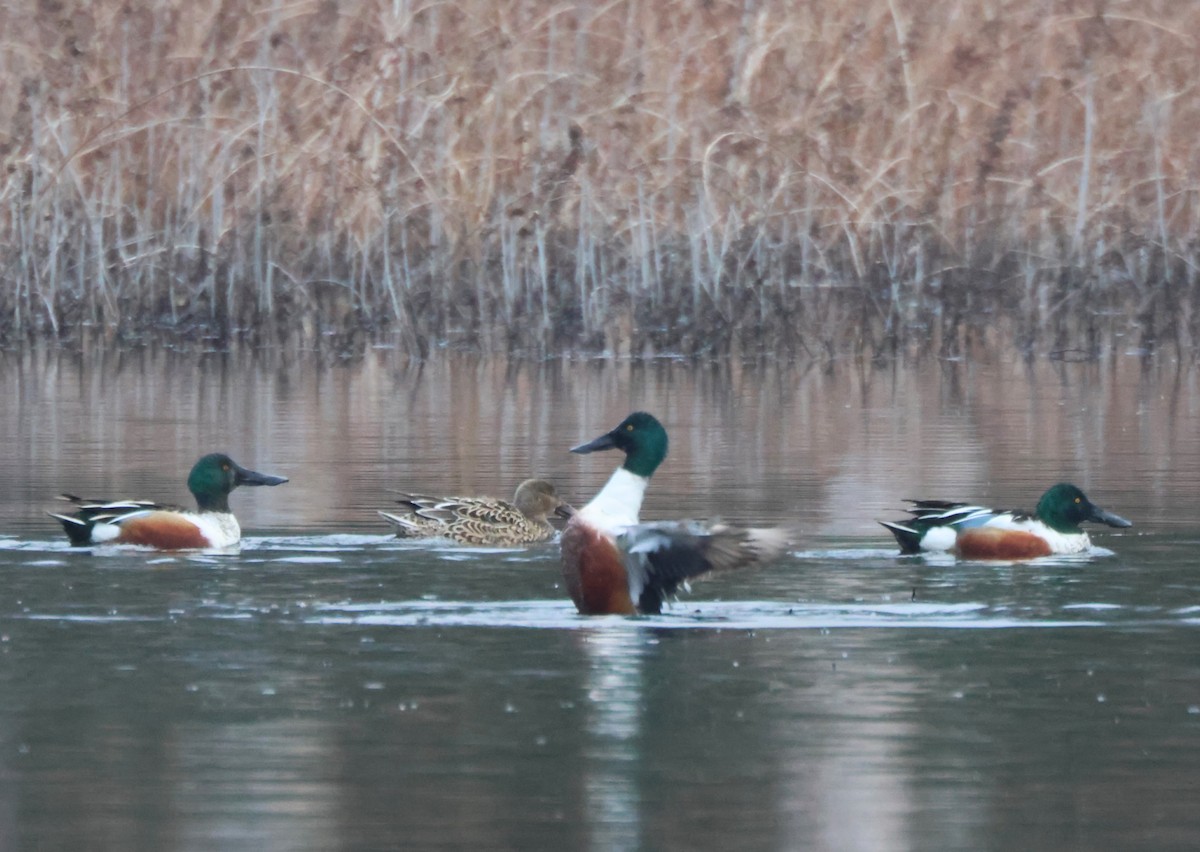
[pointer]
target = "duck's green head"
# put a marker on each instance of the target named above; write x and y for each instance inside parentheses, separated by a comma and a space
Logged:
(216, 474)
(1064, 507)
(640, 436)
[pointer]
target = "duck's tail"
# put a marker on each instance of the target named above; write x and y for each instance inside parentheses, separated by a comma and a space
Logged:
(406, 527)
(79, 530)
(908, 538)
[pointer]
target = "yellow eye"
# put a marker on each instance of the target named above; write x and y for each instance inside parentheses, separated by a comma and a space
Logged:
(1076, 499)
(629, 428)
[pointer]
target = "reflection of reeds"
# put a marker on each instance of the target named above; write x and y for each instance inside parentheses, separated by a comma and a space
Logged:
(809, 178)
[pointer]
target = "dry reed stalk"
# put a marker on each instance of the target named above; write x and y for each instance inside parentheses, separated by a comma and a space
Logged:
(811, 179)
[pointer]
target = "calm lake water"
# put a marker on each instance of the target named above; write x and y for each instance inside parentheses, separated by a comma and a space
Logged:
(330, 687)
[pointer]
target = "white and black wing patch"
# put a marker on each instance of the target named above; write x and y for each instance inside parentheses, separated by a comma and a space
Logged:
(661, 557)
(88, 514)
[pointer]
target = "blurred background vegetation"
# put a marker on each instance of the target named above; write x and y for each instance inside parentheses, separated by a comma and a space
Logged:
(804, 179)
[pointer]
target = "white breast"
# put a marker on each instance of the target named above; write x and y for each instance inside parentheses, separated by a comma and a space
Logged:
(616, 507)
(220, 528)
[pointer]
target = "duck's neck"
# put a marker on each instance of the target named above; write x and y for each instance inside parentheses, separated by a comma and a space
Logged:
(617, 505)
(212, 502)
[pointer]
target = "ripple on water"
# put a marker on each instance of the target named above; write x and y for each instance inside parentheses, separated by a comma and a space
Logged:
(304, 559)
(325, 542)
(945, 558)
(556, 614)
(321, 543)
(290, 595)
(747, 615)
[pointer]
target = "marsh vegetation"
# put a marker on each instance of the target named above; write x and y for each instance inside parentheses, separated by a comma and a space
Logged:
(531, 178)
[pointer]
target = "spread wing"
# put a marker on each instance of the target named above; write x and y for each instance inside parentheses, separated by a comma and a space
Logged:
(660, 557)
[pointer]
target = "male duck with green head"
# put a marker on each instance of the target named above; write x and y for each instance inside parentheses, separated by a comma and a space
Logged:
(163, 527)
(614, 565)
(977, 532)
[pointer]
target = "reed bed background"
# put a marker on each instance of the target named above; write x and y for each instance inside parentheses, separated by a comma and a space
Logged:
(634, 176)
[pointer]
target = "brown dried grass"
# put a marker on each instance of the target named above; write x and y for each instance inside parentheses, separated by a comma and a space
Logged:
(873, 176)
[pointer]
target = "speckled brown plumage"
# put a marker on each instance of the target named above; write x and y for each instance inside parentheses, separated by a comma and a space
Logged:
(481, 521)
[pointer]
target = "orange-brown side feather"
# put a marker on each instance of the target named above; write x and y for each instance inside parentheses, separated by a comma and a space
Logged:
(594, 571)
(992, 543)
(164, 530)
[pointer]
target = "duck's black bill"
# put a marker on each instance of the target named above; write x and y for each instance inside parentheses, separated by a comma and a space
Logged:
(253, 477)
(564, 510)
(604, 442)
(1102, 517)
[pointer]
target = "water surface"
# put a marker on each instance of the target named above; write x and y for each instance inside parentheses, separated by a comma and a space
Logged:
(329, 687)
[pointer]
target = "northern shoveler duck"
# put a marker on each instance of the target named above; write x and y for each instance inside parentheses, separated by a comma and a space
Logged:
(613, 565)
(165, 527)
(482, 521)
(977, 532)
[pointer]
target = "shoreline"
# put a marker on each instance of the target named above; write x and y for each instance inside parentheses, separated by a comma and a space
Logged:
(387, 348)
